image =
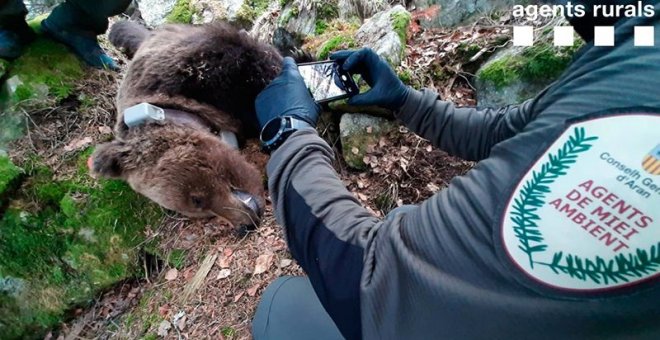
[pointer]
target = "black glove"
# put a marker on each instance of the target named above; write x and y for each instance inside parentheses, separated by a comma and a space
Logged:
(386, 89)
(287, 95)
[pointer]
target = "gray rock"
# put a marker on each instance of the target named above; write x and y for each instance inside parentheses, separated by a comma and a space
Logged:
(266, 24)
(357, 133)
(231, 8)
(207, 11)
(362, 9)
(39, 7)
(154, 12)
(12, 286)
(457, 12)
(299, 16)
(385, 33)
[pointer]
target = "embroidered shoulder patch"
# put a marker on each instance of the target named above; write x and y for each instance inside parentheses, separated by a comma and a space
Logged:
(586, 217)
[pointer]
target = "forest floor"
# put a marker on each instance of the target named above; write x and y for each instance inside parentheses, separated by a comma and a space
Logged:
(212, 287)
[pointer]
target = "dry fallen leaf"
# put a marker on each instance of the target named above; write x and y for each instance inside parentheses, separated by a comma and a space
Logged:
(223, 274)
(164, 328)
(78, 144)
(224, 261)
(171, 274)
(285, 263)
(252, 291)
(238, 296)
(262, 264)
(105, 130)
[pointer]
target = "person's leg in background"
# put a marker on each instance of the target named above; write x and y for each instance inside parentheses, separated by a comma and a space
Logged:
(77, 23)
(14, 31)
(289, 309)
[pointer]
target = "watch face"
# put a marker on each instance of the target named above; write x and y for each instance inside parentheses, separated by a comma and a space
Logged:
(271, 129)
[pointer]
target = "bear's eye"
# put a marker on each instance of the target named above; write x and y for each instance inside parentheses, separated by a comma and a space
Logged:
(197, 201)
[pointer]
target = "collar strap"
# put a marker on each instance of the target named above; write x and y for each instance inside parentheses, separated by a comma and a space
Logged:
(144, 113)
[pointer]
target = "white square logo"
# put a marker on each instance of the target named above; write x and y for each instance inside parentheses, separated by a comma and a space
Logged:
(523, 35)
(564, 36)
(604, 36)
(644, 36)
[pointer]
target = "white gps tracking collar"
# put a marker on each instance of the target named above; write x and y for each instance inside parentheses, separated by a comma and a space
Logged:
(144, 113)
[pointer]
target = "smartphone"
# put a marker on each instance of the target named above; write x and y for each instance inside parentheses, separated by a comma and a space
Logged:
(327, 81)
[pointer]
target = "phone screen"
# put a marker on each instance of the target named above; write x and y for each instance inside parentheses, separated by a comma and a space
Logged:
(324, 81)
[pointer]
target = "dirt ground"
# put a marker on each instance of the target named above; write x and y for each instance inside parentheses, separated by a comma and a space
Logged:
(213, 290)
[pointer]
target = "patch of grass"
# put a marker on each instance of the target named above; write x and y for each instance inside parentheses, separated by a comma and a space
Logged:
(400, 23)
(228, 332)
(74, 238)
(177, 258)
(182, 13)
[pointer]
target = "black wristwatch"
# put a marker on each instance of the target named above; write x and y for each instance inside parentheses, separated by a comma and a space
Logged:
(278, 129)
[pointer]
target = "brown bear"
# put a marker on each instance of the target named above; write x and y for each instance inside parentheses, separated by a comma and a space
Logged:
(206, 79)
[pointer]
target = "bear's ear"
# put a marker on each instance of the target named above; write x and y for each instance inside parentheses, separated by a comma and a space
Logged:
(109, 159)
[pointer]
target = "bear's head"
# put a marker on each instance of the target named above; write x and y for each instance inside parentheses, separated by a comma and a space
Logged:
(186, 170)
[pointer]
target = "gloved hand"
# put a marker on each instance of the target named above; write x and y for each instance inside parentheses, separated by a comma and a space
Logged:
(287, 95)
(386, 89)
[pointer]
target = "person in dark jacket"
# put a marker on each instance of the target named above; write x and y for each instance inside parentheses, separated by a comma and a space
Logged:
(554, 234)
(75, 23)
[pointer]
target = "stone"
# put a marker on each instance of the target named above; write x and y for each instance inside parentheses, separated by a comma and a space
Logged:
(154, 12)
(362, 9)
(207, 11)
(386, 33)
(299, 16)
(266, 24)
(39, 7)
(515, 74)
(454, 13)
(357, 132)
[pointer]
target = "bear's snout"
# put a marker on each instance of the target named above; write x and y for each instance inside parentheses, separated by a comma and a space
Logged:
(250, 202)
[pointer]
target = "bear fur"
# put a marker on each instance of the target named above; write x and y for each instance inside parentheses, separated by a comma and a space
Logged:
(213, 72)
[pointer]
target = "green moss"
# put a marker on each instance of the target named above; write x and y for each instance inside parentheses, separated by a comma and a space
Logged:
(337, 43)
(400, 23)
(182, 13)
(250, 10)
(4, 67)
(321, 27)
(289, 15)
(75, 238)
(536, 64)
(46, 66)
(9, 174)
(405, 76)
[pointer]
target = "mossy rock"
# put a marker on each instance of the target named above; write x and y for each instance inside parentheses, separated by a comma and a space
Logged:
(517, 74)
(46, 70)
(63, 242)
(357, 132)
